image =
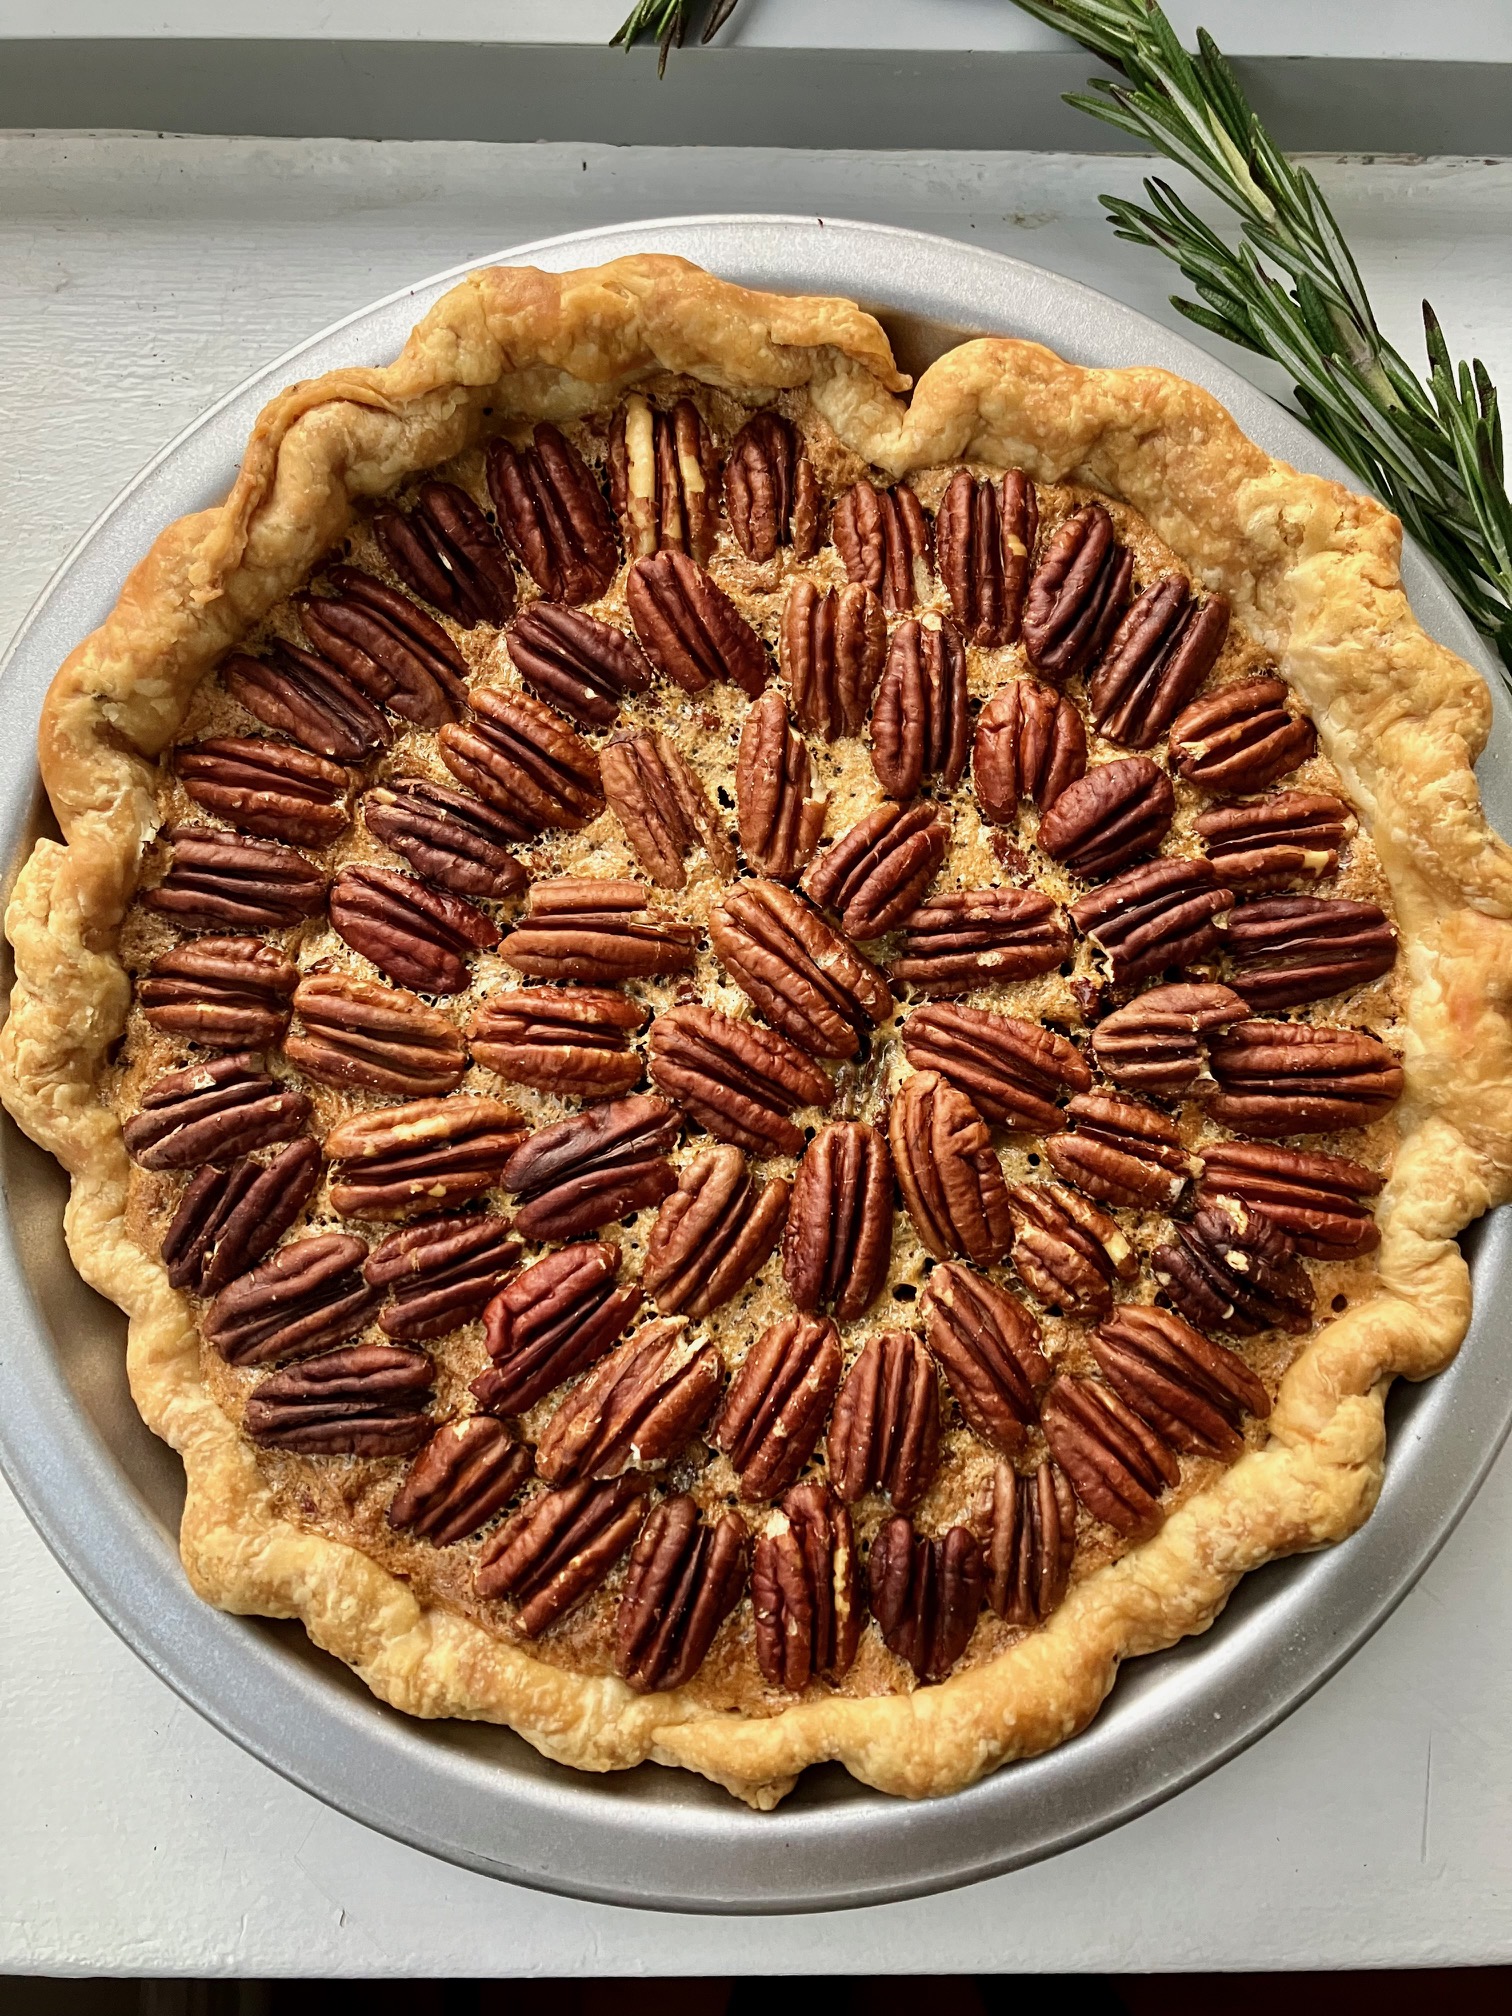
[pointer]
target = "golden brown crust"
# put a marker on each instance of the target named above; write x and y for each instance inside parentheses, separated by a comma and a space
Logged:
(1312, 573)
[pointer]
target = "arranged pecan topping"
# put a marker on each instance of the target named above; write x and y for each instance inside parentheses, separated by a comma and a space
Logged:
(1161, 914)
(1028, 1529)
(417, 935)
(1012, 1070)
(585, 668)
(213, 1112)
(553, 515)
(1118, 1464)
(986, 533)
(440, 1273)
(988, 1347)
(363, 1400)
(952, 1181)
(1122, 1152)
(560, 1039)
(228, 1218)
(665, 811)
(1160, 654)
(1192, 1391)
(468, 1471)
(1235, 1269)
(1297, 1078)
(832, 647)
(553, 1320)
(1241, 738)
(926, 1595)
(771, 1417)
(445, 549)
(426, 1155)
(838, 1242)
(581, 928)
(389, 649)
(226, 993)
(779, 822)
(1030, 743)
(689, 628)
(1290, 949)
(308, 699)
(1066, 1251)
(874, 875)
(919, 724)
(521, 758)
(304, 1298)
(449, 837)
(805, 978)
(883, 538)
(267, 787)
(805, 1591)
(663, 479)
(684, 1580)
(597, 1165)
(712, 1234)
(771, 492)
(219, 881)
(884, 1434)
(639, 1407)
(1076, 594)
(1109, 817)
(977, 937)
(1272, 841)
(738, 1080)
(1155, 1043)
(381, 1039)
(1320, 1201)
(558, 1548)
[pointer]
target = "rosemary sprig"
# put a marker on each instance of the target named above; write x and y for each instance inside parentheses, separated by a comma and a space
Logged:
(665, 22)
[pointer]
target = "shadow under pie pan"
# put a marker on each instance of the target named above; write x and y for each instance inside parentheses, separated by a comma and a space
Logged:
(106, 1495)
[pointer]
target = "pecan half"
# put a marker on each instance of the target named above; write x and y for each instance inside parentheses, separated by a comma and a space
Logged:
(219, 881)
(1066, 1251)
(213, 1112)
(1192, 1391)
(979, 937)
(445, 549)
(557, 1549)
(805, 1591)
(228, 1218)
(1156, 1042)
(689, 628)
(450, 837)
(663, 479)
(639, 1407)
(771, 1417)
(771, 492)
(363, 1400)
(554, 1319)
(1122, 1152)
(882, 536)
(838, 1242)
(415, 934)
(919, 724)
(1291, 949)
(832, 647)
(712, 1235)
(986, 533)
(662, 805)
(468, 1471)
(1160, 654)
(684, 1580)
(1319, 1200)
(1030, 743)
(1118, 1464)
(560, 1039)
(1242, 737)
(1161, 914)
(440, 1273)
(1013, 1071)
(581, 928)
(553, 515)
(383, 1039)
(1235, 1269)
(951, 1179)
(267, 787)
(1275, 840)
(307, 1296)
(521, 758)
(1299, 1078)
(806, 979)
(389, 649)
(884, 1434)
(926, 1595)
(779, 822)
(1028, 1529)
(988, 1346)
(874, 875)
(738, 1080)
(308, 699)
(600, 1164)
(585, 668)
(1109, 817)
(226, 993)
(426, 1155)
(1076, 594)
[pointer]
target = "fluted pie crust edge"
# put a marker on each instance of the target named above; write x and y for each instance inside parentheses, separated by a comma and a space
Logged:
(1312, 573)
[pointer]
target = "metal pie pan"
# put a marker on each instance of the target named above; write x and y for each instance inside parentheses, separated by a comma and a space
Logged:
(106, 1495)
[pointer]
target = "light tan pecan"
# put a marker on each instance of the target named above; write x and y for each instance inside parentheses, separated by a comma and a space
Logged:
(560, 1039)
(689, 628)
(1157, 1042)
(1162, 914)
(426, 1155)
(468, 1471)
(363, 1400)
(803, 976)
(1235, 1269)
(219, 881)
(306, 1297)
(307, 698)
(1192, 1391)
(832, 647)
(638, 1408)
(582, 666)
(523, 759)
(805, 1591)
(988, 1346)
(771, 492)
(1028, 1531)
(440, 1273)
(1118, 1464)
(382, 1039)
(556, 1318)
(559, 1547)
(386, 647)
(884, 1434)
(1160, 654)
(1242, 737)
(665, 811)
(1109, 817)
(1290, 949)
(582, 928)
(977, 938)
(663, 479)
(779, 822)
(771, 1417)
(1319, 1200)
(1012, 1070)
(447, 551)
(1122, 1152)
(951, 1179)
(875, 874)
(597, 1165)
(986, 533)
(1030, 743)
(228, 1218)
(553, 515)
(417, 935)
(213, 1112)
(712, 1234)
(919, 724)
(883, 538)
(450, 837)
(1301, 1078)
(838, 1242)
(738, 1080)
(926, 1595)
(267, 787)
(226, 993)
(1076, 594)
(1067, 1251)
(1266, 843)
(684, 1580)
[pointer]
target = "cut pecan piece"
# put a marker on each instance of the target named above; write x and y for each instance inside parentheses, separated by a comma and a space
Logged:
(1030, 743)
(226, 993)
(738, 1080)
(1156, 1042)
(882, 536)
(665, 811)
(449, 837)
(560, 1039)
(986, 533)
(805, 1591)
(1076, 594)
(779, 822)
(468, 1471)
(1275, 840)
(383, 1039)
(1066, 1251)
(978, 938)
(1319, 1200)
(363, 1400)
(1118, 1464)
(951, 1179)
(308, 699)
(684, 1580)
(522, 758)
(1192, 1391)
(307, 1296)
(1160, 654)
(219, 881)
(884, 1434)
(1159, 915)
(1235, 1269)
(919, 724)
(663, 479)
(553, 515)
(556, 1550)
(806, 979)
(388, 648)
(1122, 1152)
(874, 875)
(1299, 1078)
(832, 647)
(639, 1407)
(926, 1595)
(1028, 1528)
(600, 1164)
(426, 1155)
(988, 1346)
(267, 787)
(771, 491)
(1013, 1071)
(440, 1273)
(1242, 737)
(585, 668)
(838, 1243)
(415, 934)
(555, 1318)
(771, 1417)
(581, 928)
(712, 1235)
(1109, 817)
(689, 628)
(213, 1112)
(229, 1218)
(1291, 949)
(445, 550)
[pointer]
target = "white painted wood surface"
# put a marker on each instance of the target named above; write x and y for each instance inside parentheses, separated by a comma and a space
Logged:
(138, 280)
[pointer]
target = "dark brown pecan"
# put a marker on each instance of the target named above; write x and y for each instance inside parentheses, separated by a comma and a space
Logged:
(1028, 1529)
(712, 1235)
(426, 1155)
(1122, 1152)
(267, 787)
(226, 993)
(882, 536)
(213, 1112)
(560, 1039)
(382, 1039)
(468, 1471)
(219, 881)
(1013, 1071)
(387, 647)
(986, 533)
(228, 1218)
(1241, 738)
(838, 1243)
(805, 1591)
(771, 1417)
(1319, 1200)
(363, 1400)
(805, 978)
(657, 797)
(1192, 1391)
(1109, 817)
(1160, 654)
(919, 724)
(1157, 1042)
(874, 875)
(600, 1164)
(553, 515)
(446, 550)
(558, 1548)
(663, 479)
(832, 647)
(684, 1580)
(586, 929)
(1235, 1269)
(988, 1347)
(1162, 914)
(926, 1595)
(1030, 743)
(554, 1319)
(738, 1080)
(1066, 1251)
(779, 822)
(308, 699)
(689, 628)
(1272, 841)
(978, 938)
(951, 1179)
(415, 934)
(1118, 1464)
(639, 1407)
(306, 1297)
(521, 758)
(1076, 594)
(440, 1273)
(884, 1434)
(1291, 949)
(771, 491)
(583, 667)
(449, 837)
(1299, 1078)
